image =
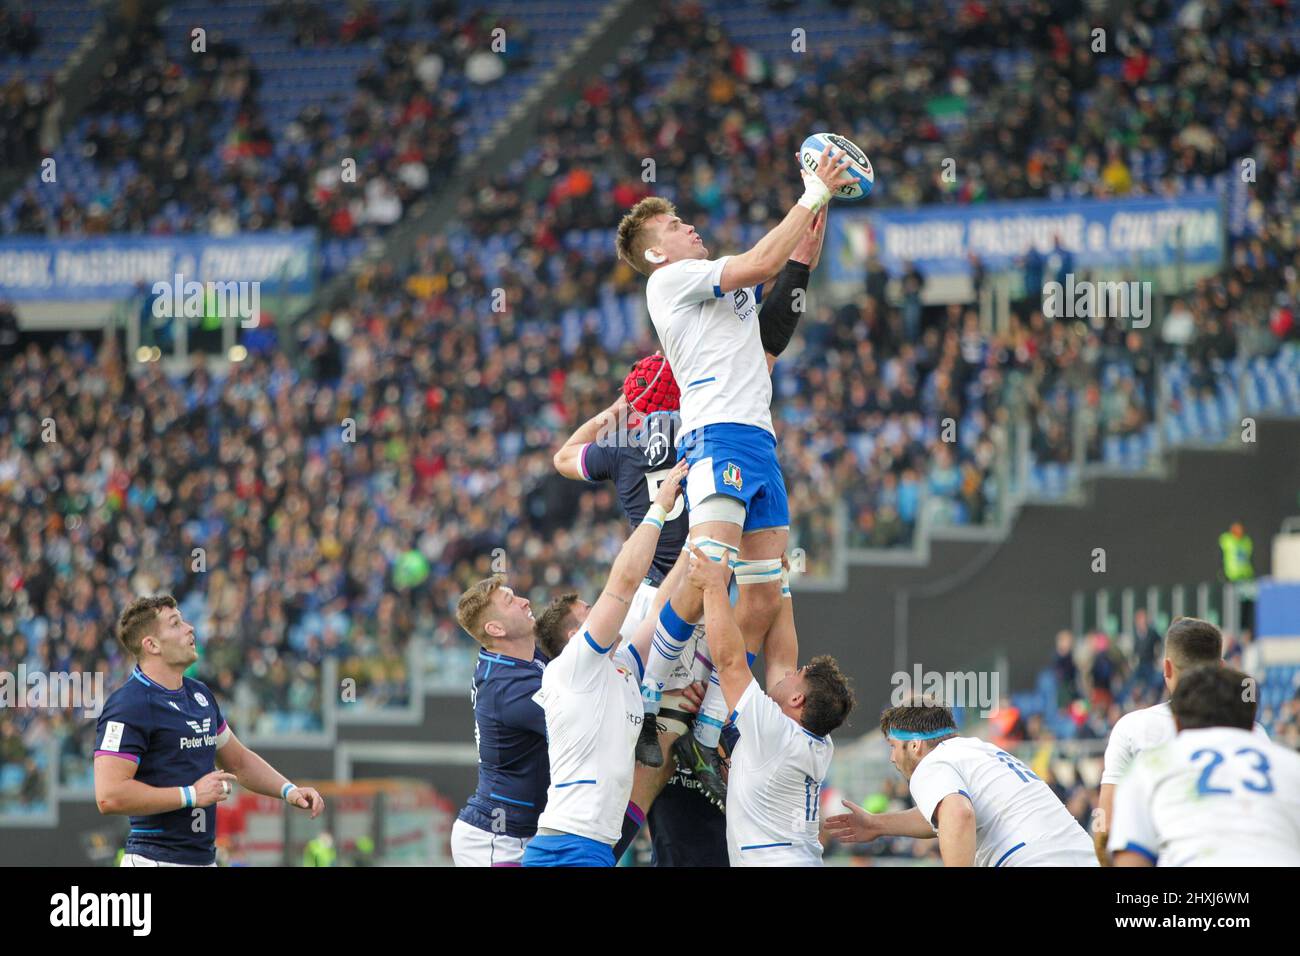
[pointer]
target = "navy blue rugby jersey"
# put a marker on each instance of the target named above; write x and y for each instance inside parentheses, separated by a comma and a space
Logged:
(638, 464)
(514, 767)
(172, 736)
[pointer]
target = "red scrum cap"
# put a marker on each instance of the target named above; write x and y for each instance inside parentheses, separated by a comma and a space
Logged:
(650, 386)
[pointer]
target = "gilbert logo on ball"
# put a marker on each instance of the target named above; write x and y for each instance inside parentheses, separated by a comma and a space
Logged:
(859, 165)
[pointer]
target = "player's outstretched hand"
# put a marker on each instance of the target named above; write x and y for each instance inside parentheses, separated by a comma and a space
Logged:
(209, 789)
(306, 798)
(832, 168)
(707, 574)
(856, 826)
(694, 697)
(668, 491)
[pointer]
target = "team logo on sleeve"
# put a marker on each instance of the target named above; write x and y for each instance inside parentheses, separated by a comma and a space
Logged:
(113, 736)
(200, 699)
(731, 475)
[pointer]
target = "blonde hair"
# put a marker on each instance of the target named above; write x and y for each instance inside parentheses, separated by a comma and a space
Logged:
(633, 239)
(474, 604)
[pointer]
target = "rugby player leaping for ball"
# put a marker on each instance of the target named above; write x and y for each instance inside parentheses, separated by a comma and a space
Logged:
(705, 312)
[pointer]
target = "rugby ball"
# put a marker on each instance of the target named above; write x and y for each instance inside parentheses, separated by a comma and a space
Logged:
(859, 165)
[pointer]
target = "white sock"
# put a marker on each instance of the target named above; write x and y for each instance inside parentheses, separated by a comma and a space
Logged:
(708, 722)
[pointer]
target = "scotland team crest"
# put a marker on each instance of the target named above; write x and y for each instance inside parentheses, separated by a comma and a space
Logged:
(731, 475)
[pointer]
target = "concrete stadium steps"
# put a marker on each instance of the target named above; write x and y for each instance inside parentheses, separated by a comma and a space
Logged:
(970, 599)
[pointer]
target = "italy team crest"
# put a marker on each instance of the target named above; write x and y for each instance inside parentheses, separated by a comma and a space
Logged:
(731, 475)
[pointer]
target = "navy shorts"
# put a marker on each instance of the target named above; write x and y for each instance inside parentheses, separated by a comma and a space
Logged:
(686, 829)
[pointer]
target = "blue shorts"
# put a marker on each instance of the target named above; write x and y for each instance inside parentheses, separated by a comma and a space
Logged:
(738, 461)
(567, 850)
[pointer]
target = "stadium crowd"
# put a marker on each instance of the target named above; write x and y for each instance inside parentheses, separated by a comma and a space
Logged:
(448, 474)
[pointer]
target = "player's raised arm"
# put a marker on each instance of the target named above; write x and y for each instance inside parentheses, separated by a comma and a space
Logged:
(784, 294)
(771, 252)
(569, 459)
(726, 643)
(255, 774)
(629, 570)
(781, 645)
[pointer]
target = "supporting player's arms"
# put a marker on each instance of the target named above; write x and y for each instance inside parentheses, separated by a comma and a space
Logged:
(608, 613)
(859, 826)
(784, 294)
(255, 774)
(956, 822)
(765, 259)
(781, 645)
(566, 459)
(1101, 823)
(117, 790)
(726, 644)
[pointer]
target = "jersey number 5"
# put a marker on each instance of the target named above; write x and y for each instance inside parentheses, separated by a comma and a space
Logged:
(656, 478)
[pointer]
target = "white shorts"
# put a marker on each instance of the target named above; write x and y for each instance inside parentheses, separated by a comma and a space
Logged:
(638, 611)
(135, 859)
(471, 846)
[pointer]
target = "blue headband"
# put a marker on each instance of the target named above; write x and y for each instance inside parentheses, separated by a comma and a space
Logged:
(921, 735)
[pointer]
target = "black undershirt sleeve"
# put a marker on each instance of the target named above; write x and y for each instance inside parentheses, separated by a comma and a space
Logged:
(777, 317)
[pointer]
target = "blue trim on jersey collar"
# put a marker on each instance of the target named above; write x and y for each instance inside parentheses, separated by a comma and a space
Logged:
(144, 679)
(919, 735)
(820, 740)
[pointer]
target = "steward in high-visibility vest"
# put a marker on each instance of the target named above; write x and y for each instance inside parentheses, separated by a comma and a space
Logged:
(1237, 549)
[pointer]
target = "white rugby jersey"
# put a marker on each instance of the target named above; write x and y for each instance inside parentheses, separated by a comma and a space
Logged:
(1218, 796)
(1138, 731)
(1018, 819)
(712, 341)
(774, 785)
(592, 702)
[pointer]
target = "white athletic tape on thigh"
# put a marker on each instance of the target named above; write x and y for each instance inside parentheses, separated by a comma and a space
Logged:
(785, 583)
(765, 571)
(715, 507)
(715, 549)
